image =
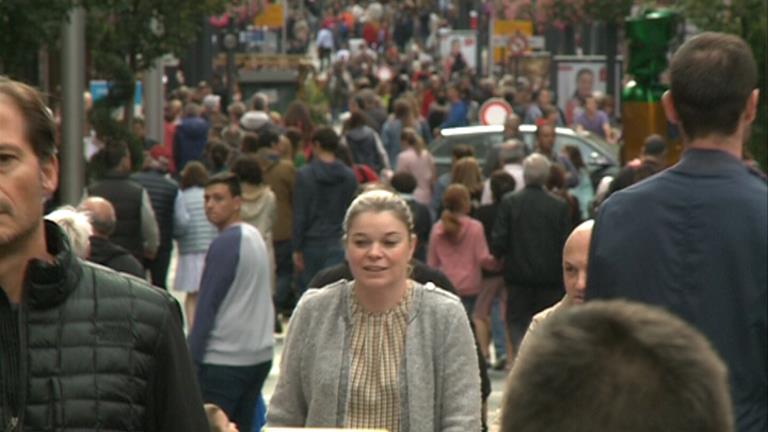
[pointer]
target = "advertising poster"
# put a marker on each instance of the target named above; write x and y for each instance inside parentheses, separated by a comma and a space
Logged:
(464, 41)
(580, 76)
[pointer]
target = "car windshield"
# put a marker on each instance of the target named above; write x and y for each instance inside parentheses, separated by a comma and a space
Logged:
(480, 143)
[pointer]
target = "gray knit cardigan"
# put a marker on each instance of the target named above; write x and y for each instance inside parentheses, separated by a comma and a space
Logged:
(440, 380)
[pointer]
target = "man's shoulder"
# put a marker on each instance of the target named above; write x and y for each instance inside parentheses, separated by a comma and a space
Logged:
(108, 283)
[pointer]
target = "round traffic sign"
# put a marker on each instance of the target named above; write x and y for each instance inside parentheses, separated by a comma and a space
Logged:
(494, 112)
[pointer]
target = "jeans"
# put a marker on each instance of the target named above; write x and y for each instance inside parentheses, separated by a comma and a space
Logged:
(497, 330)
(235, 389)
(318, 257)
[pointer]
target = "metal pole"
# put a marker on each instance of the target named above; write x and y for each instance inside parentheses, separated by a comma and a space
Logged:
(153, 101)
(72, 116)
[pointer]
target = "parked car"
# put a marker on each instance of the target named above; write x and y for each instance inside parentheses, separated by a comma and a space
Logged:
(600, 157)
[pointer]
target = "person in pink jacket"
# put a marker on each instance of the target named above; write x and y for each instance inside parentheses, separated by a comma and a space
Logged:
(458, 248)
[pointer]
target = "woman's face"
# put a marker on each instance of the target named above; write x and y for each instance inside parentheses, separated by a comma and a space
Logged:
(378, 250)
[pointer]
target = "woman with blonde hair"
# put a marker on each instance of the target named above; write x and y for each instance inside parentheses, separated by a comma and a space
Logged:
(458, 248)
(414, 158)
(380, 351)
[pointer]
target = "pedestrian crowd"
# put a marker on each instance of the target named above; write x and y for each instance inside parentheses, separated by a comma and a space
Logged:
(635, 303)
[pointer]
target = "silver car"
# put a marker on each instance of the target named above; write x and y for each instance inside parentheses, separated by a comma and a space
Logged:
(600, 157)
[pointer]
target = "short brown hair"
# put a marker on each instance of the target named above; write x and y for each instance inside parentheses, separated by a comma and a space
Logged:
(712, 76)
(193, 174)
(617, 366)
(38, 121)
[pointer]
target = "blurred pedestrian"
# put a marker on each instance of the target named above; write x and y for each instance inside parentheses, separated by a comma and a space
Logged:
(194, 234)
(697, 243)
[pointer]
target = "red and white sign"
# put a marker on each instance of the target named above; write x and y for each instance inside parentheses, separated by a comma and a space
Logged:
(494, 112)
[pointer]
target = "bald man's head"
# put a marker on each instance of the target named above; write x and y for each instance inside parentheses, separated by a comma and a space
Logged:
(575, 260)
(102, 215)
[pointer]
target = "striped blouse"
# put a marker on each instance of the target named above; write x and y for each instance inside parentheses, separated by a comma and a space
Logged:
(377, 342)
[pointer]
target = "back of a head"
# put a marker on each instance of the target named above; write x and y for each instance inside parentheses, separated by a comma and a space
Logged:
(219, 153)
(654, 145)
(326, 138)
(712, 76)
(461, 151)
(248, 170)
(455, 203)
(101, 214)
(467, 172)
(502, 183)
(191, 110)
(260, 102)
(112, 154)
(536, 169)
(194, 174)
(403, 182)
(512, 151)
(617, 366)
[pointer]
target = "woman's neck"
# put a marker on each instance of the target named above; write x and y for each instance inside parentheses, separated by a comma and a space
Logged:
(380, 300)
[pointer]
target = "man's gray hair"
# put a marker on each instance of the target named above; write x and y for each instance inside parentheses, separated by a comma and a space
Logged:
(536, 169)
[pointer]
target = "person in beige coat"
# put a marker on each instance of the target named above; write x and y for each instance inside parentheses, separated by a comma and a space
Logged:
(259, 207)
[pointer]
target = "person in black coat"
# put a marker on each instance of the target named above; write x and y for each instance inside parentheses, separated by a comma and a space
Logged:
(529, 233)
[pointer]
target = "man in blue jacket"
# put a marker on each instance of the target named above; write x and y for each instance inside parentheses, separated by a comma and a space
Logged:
(323, 190)
(694, 238)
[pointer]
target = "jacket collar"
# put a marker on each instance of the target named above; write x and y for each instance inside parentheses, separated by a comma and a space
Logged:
(48, 284)
(710, 163)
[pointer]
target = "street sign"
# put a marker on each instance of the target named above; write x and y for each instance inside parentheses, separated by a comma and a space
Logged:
(494, 112)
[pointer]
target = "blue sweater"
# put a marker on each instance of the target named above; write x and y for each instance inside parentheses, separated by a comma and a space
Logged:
(321, 195)
(457, 116)
(234, 319)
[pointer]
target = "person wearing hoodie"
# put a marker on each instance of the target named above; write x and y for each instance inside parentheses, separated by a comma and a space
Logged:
(458, 248)
(259, 207)
(324, 189)
(190, 137)
(364, 144)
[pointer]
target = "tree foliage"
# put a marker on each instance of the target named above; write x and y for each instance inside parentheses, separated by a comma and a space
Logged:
(25, 26)
(124, 38)
(745, 18)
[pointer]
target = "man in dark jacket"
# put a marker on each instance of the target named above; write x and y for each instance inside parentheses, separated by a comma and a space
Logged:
(324, 189)
(694, 238)
(102, 217)
(162, 193)
(136, 228)
(530, 231)
(190, 137)
(81, 347)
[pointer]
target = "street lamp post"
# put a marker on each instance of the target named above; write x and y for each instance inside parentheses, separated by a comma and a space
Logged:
(72, 115)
